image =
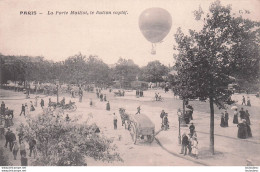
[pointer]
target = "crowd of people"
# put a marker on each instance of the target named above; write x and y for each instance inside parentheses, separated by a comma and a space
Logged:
(241, 119)
(190, 142)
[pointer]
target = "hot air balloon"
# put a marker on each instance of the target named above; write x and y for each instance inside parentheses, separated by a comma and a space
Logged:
(155, 24)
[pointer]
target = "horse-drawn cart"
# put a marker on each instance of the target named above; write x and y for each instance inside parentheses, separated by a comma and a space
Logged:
(139, 125)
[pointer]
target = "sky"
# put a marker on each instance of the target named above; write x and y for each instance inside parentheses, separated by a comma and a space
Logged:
(56, 37)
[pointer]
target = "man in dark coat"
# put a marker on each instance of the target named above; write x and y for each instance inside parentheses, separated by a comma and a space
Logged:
(12, 139)
(184, 144)
(23, 110)
(138, 110)
(162, 115)
(42, 103)
(7, 137)
(108, 106)
(192, 128)
(244, 100)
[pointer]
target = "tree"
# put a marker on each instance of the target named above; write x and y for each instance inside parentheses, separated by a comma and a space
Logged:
(63, 143)
(207, 59)
(126, 71)
(154, 72)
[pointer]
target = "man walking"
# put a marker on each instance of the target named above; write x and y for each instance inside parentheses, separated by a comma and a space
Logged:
(138, 110)
(42, 103)
(12, 139)
(23, 110)
(115, 121)
(7, 137)
(32, 147)
(244, 100)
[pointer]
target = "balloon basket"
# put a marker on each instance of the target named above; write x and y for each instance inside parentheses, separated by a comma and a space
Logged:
(153, 51)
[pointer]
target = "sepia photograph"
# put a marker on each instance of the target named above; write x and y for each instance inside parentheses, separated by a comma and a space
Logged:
(169, 83)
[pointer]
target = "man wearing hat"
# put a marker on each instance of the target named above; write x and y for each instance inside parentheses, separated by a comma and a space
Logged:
(12, 139)
(7, 137)
(192, 128)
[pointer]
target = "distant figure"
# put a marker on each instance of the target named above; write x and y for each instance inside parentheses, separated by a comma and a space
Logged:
(42, 103)
(242, 114)
(22, 149)
(192, 128)
(242, 130)
(243, 100)
(235, 119)
(165, 122)
(67, 118)
(32, 148)
(156, 96)
(222, 122)
(248, 101)
(162, 115)
(49, 102)
(12, 138)
(115, 121)
(108, 106)
(226, 119)
(32, 107)
(15, 149)
(138, 110)
(62, 102)
(23, 110)
(101, 97)
(7, 137)
(2, 108)
(90, 103)
(105, 98)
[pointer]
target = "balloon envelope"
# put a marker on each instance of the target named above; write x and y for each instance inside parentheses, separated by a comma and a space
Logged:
(155, 24)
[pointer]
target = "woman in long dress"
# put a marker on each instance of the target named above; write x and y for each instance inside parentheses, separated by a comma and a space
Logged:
(222, 123)
(242, 130)
(235, 119)
(248, 118)
(194, 146)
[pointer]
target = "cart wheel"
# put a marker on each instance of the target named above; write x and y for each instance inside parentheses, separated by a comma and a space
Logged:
(133, 132)
(150, 138)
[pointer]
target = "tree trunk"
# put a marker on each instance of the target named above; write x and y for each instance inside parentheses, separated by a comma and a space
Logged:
(211, 125)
